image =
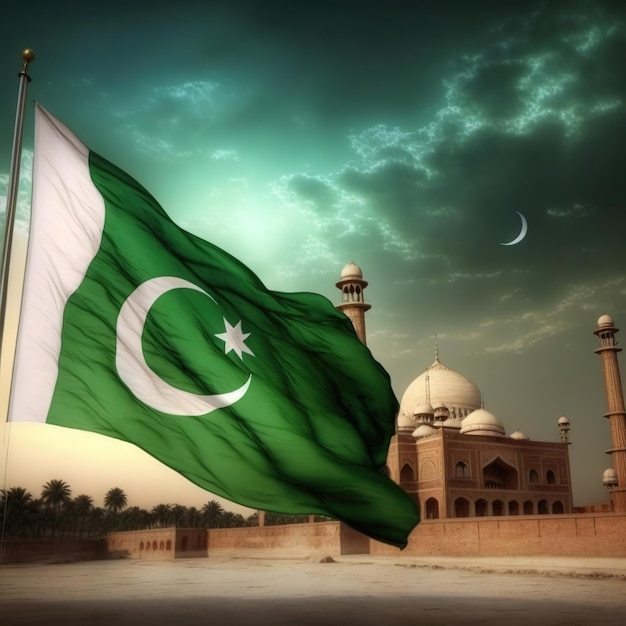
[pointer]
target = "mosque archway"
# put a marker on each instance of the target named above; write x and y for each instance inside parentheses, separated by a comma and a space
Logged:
(497, 508)
(557, 508)
(529, 507)
(550, 477)
(513, 507)
(432, 508)
(461, 470)
(481, 507)
(542, 507)
(461, 507)
(500, 475)
(407, 474)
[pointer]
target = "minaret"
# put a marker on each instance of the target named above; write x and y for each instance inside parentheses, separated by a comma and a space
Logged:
(353, 304)
(616, 414)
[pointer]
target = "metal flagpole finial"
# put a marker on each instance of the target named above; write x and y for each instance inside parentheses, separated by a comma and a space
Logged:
(28, 56)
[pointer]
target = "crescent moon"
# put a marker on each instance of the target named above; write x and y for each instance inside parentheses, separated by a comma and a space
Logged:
(131, 365)
(522, 233)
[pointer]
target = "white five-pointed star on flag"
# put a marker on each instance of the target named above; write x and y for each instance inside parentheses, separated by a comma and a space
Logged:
(234, 339)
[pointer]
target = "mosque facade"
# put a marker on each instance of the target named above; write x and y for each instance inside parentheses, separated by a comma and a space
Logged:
(452, 455)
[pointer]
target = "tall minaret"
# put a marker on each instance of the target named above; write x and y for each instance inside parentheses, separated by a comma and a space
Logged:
(616, 414)
(353, 304)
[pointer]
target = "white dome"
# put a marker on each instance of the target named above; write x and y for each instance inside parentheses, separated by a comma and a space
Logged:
(424, 430)
(518, 434)
(406, 423)
(609, 477)
(423, 409)
(453, 422)
(605, 320)
(563, 421)
(481, 422)
(352, 270)
(459, 394)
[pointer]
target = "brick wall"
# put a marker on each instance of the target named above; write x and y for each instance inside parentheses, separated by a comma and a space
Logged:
(597, 535)
(297, 540)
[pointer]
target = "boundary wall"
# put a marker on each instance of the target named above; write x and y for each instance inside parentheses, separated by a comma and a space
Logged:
(596, 535)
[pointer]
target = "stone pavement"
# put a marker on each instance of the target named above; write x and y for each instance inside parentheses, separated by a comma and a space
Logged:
(364, 590)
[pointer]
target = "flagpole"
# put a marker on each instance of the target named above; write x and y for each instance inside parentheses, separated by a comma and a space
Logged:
(28, 56)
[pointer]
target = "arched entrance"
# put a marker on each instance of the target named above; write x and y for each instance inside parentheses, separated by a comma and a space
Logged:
(461, 507)
(497, 507)
(481, 508)
(432, 508)
(500, 475)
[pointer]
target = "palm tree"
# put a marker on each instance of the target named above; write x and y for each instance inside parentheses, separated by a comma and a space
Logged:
(54, 494)
(18, 511)
(82, 507)
(178, 514)
(162, 514)
(115, 500)
(212, 512)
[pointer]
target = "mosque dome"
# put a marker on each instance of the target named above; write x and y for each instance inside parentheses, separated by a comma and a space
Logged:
(424, 430)
(605, 321)
(482, 422)
(452, 390)
(518, 434)
(352, 270)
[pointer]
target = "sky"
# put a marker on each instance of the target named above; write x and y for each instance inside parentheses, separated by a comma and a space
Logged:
(403, 136)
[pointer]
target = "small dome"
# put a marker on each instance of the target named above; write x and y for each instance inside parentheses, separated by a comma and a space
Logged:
(563, 421)
(609, 477)
(438, 404)
(424, 430)
(605, 321)
(352, 270)
(482, 422)
(406, 423)
(423, 409)
(518, 434)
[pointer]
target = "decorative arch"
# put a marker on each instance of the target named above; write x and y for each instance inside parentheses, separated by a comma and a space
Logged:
(542, 507)
(140, 546)
(558, 508)
(407, 473)
(533, 477)
(154, 545)
(461, 507)
(161, 545)
(497, 508)
(550, 477)
(500, 475)
(481, 507)
(428, 470)
(168, 545)
(432, 508)
(513, 507)
(462, 470)
(529, 507)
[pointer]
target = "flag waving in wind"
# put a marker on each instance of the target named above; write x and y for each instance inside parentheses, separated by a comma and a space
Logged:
(138, 330)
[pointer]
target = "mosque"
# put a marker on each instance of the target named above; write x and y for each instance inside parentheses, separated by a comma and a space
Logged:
(455, 458)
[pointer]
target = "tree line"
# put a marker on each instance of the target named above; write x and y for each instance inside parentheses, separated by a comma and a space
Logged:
(56, 514)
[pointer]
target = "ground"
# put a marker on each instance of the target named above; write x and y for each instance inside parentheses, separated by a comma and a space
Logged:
(341, 590)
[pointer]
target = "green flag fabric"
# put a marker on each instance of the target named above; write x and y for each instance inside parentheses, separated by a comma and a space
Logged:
(135, 329)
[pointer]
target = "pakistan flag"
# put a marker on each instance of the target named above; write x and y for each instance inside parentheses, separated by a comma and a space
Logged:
(138, 330)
